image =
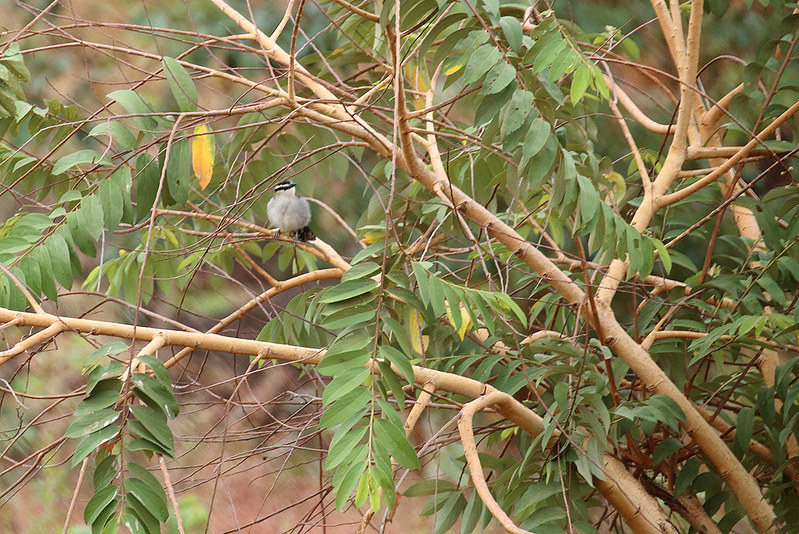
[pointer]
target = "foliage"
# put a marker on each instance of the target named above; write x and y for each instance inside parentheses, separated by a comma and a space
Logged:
(450, 139)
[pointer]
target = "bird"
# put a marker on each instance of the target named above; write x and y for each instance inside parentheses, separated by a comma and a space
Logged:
(290, 212)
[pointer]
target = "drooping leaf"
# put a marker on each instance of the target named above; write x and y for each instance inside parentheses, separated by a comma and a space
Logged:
(136, 105)
(396, 443)
(151, 497)
(349, 289)
(99, 501)
(347, 406)
(343, 383)
(180, 83)
(91, 422)
(203, 147)
(148, 175)
(498, 78)
(481, 61)
(512, 29)
(92, 441)
(152, 390)
(82, 157)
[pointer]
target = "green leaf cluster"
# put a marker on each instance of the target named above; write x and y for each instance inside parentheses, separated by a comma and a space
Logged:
(125, 492)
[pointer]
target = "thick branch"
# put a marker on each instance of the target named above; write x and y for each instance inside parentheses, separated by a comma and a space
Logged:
(473, 459)
(640, 510)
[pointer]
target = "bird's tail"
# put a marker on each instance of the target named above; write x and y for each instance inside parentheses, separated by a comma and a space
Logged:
(306, 234)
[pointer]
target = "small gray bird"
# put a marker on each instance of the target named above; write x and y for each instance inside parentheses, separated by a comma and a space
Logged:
(290, 212)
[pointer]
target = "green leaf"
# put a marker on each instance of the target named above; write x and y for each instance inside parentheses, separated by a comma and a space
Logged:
(99, 501)
(78, 223)
(390, 413)
(363, 489)
(151, 497)
(59, 254)
(91, 422)
(362, 270)
(155, 392)
(105, 521)
(432, 34)
(589, 199)
(453, 304)
(549, 52)
(158, 368)
(481, 61)
(663, 253)
(105, 394)
(345, 353)
(180, 83)
(540, 165)
(154, 422)
(112, 197)
(743, 429)
(686, 475)
(389, 380)
(668, 411)
(399, 360)
(348, 290)
(346, 478)
(449, 513)
(396, 443)
(148, 175)
(133, 523)
(115, 347)
(92, 441)
(13, 59)
(342, 445)
(665, 448)
(471, 514)
(349, 317)
(498, 78)
(42, 257)
(78, 158)
(772, 288)
(347, 406)
(506, 304)
(420, 273)
(344, 382)
(580, 81)
(150, 524)
(178, 171)
(519, 107)
(512, 29)
(105, 471)
(536, 138)
(385, 479)
(145, 475)
(32, 274)
(117, 133)
(149, 445)
(135, 104)
(112, 370)
(91, 216)
(374, 248)
(430, 487)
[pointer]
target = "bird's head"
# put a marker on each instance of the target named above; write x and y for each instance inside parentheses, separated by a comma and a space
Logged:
(286, 186)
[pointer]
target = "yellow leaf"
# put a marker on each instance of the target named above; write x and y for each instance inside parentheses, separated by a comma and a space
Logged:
(452, 69)
(619, 186)
(373, 237)
(415, 325)
(466, 321)
(203, 148)
(418, 78)
(420, 82)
